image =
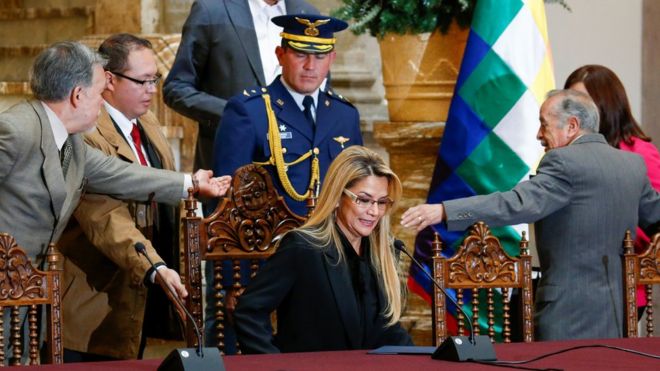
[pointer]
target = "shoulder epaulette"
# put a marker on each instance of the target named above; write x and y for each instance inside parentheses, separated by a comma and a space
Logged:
(331, 93)
(254, 92)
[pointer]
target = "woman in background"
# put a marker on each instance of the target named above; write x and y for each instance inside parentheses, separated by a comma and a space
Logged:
(620, 129)
(333, 281)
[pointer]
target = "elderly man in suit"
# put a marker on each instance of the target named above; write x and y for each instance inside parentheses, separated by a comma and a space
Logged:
(226, 46)
(45, 166)
(104, 304)
(584, 197)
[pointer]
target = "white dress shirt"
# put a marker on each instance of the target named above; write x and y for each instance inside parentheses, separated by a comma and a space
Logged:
(126, 126)
(268, 35)
(298, 98)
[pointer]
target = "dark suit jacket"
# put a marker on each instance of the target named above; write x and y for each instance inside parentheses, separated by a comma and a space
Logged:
(36, 200)
(316, 307)
(217, 58)
(242, 136)
(582, 199)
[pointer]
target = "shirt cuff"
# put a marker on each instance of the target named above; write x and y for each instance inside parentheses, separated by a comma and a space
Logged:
(187, 184)
(150, 277)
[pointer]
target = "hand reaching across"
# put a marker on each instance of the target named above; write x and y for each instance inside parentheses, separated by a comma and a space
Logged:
(209, 186)
(421, 216)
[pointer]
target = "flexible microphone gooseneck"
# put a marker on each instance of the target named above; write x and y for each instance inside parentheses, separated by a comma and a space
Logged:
(452, 348)
(141, 249)
(398, 244)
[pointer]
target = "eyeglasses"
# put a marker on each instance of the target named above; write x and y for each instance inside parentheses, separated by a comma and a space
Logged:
(366, 203)
(144, 83)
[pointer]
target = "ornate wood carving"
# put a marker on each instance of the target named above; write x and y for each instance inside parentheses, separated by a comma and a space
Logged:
(23, 285)
(250, 219)
(192, 269)
(480, 259)
(481, 263)
(246, 224)
(629, 286)
(439, 311)
(18, 279)
(640, 269)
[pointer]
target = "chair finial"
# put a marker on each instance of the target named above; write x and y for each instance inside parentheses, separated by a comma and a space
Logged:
(436, 245)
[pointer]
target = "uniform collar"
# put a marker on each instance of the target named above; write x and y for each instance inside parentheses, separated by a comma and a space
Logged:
(298, 98)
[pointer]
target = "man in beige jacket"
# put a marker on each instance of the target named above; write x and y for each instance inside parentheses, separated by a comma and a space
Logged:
(105, 281)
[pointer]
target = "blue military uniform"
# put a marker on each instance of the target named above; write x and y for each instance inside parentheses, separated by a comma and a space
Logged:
(242, 136)
(265, 125)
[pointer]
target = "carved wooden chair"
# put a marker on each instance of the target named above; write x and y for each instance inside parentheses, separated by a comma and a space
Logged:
(639, 269)
(246, 224)
(481, 263)
(22, 285)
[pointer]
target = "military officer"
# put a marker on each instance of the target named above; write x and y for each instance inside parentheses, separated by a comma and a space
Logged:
(292, 127)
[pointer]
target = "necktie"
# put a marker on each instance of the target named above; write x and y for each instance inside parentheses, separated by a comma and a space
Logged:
(66, 153)
(308, 103)
(137, 140)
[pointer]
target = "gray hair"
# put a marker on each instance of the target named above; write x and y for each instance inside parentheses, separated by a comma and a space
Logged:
(577, 104)
(60, 68)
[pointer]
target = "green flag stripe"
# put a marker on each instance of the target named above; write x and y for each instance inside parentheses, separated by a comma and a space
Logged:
(492, 89)
(492, 17)
(492, 166)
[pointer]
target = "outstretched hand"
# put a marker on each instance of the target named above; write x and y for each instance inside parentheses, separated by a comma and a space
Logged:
(211, 187)
(421, 216)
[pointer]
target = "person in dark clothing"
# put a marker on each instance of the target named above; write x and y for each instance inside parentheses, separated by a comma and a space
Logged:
(333, 281)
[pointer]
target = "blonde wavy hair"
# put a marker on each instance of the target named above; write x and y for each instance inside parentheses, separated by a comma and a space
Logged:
(352, 165)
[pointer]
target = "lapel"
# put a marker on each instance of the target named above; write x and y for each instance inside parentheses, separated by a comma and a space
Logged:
(107, 129)
(340, 281)
(287, 110)
(325, 120)
(51, 169)
(74, 177)
(159, 143)
(240, 18)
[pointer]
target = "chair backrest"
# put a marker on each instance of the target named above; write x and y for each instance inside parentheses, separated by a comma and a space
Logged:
(639, 269)
(480, 262)
(22, 285)
(245, 225)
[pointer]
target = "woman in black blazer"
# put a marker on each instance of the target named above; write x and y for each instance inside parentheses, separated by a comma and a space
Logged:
(333, 281)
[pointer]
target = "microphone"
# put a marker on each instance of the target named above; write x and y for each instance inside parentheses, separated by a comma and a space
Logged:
(456, 348)
(185, 359)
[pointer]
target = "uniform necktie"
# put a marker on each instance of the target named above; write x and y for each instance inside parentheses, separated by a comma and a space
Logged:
(137, 140)
(308, 103)
(66, 153)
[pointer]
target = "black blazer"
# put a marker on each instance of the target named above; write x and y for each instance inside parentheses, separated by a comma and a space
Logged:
(316, 307)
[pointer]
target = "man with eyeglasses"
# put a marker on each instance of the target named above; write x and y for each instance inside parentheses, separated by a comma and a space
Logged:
(46, 167)
(108, 284)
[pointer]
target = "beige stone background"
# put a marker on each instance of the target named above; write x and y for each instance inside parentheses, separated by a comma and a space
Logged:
(622, 35)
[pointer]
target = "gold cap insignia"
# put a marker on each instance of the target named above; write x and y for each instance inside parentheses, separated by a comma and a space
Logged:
(311, 29)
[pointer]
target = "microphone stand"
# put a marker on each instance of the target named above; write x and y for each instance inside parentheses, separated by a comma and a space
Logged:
(185, 359)
(456, 348)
